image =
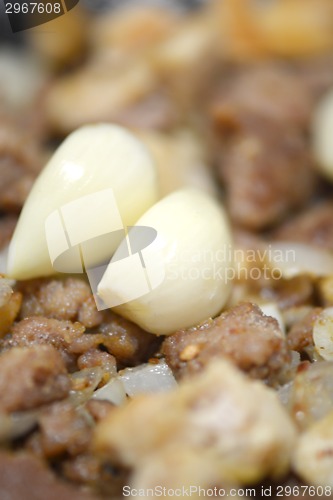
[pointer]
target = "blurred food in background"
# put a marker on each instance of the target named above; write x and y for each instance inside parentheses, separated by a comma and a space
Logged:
(234, 97)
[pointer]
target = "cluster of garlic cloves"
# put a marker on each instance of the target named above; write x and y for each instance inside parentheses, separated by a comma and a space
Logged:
(96, 204)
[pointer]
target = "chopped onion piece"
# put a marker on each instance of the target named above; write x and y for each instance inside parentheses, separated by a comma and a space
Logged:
(84, 383)
(292, 259)
(271, 309)
(113, 391)
(323, 334)
(148, 378)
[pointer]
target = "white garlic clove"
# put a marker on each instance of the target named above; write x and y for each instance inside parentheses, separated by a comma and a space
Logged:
(100, 180)
(184, 279)
(322, 132)
(323, 334)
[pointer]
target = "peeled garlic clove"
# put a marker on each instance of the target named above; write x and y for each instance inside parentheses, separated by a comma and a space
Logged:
(322, 131)
(181, 277)
(323, 334)
(100, 180)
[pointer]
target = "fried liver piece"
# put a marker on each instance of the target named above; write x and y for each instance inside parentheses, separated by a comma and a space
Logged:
(31, 377)
(251, 340)
(25, 476)
(216, 426)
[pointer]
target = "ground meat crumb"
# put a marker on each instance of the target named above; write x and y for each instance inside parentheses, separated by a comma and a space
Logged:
(20, 161)
(25, 476)
(263, 151)
(58, 299)
(126, 341)
(38, 330)
(243, 334)
(95, 357)
(300, 335)
(31, 377)
(64, 429)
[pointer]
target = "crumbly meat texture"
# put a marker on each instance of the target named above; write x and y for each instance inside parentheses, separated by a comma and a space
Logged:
(64, 313)
(31, 377)
(300, 335)
(243, 334)
(57, 299)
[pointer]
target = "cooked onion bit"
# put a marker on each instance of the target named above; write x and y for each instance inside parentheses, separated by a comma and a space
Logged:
(180, 278)
(92, 160)
(323, 334)
(322, 130)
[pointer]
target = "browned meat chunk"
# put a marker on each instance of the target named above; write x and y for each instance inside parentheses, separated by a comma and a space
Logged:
(7, 226)
(126, 341)
(300, 335)
(243, 334)
(95, 357)
(260, 122)
(37, 330)
(274, 92)
(63, 429)
(24, 476)
(88, 314)
(314, 226)
(20, 162)
(54, 298)
(260, 174)
(30, 377)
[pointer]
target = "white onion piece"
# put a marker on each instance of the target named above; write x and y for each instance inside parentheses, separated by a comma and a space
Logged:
(284, 393)
(323, 334)
(148, 378)
(271, 309)
(113, 391)
(293, 259)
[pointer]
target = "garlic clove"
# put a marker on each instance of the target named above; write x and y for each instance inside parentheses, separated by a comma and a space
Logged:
(181, 278)
(323, 334)
(322, 134)
(82, 201)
